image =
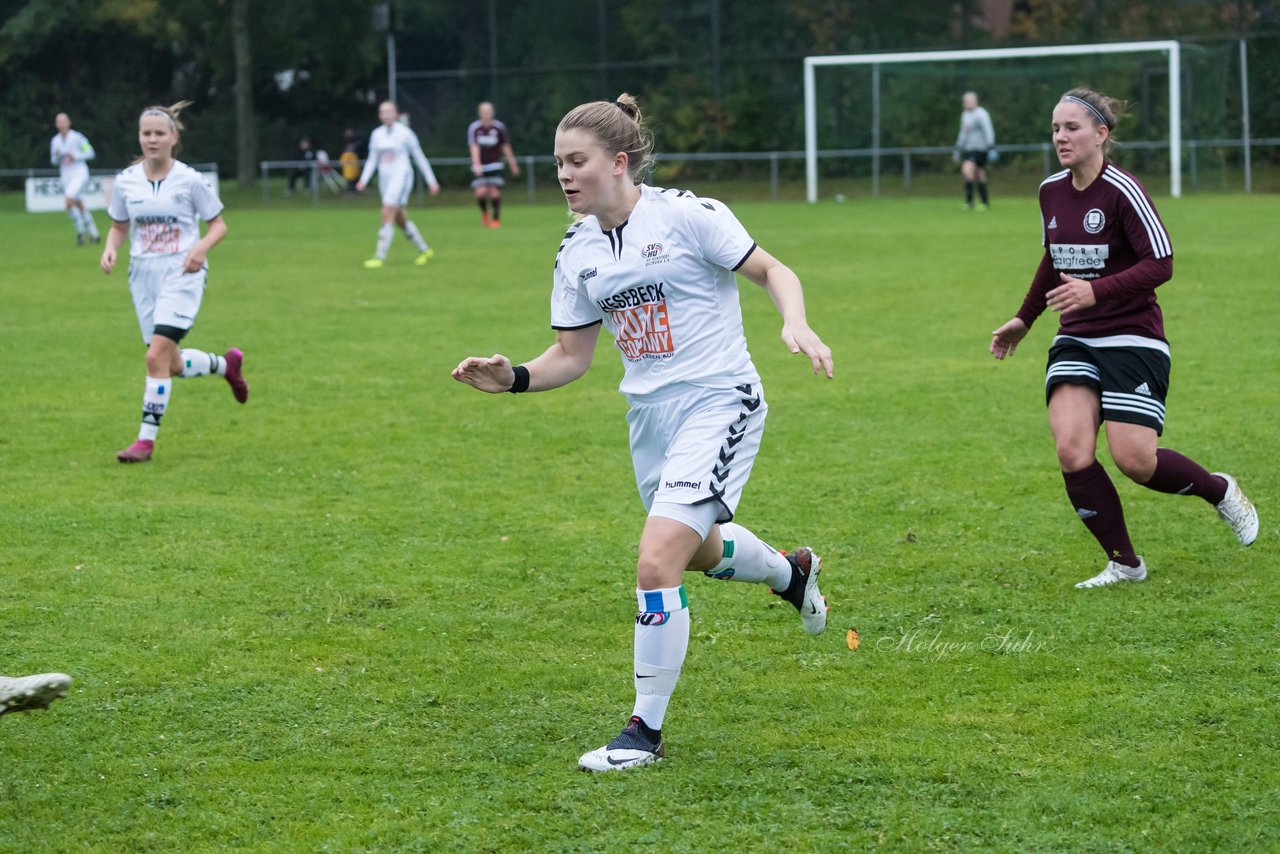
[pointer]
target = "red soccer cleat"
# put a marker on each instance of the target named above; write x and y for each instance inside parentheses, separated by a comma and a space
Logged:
(138, 452)
(235, 374)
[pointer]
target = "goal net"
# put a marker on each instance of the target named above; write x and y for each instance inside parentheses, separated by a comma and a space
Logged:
(862, 111)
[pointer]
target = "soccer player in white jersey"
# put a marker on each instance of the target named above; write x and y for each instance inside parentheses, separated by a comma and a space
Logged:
(24, 693)
(1105, 253)
(158, 203)
(393, 151)
(657, 267)
(71, 152)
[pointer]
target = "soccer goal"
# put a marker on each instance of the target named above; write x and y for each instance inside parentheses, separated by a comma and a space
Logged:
(1171, 49)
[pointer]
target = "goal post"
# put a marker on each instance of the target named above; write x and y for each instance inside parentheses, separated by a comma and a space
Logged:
(1169, 47)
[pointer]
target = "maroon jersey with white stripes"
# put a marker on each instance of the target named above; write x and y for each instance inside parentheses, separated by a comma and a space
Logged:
(490, 140)
(1108, 233)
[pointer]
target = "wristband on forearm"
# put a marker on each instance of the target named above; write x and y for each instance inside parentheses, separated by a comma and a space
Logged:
(521, 382)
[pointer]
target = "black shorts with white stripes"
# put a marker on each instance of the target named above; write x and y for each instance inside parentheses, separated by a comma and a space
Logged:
(1132, 381)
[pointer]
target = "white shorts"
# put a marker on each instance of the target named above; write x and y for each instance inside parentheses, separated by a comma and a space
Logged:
(693, 445)
(395, 188)
(73, 181)
(489, 179)
(163, 295)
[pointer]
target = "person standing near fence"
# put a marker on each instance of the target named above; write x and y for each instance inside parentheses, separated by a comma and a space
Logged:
(158, 203)
(490, 145)
(657, 267)
(975, 145)
(393, 152)
(350, 158)
(304, 167)
(71, 152)
(1106, 252)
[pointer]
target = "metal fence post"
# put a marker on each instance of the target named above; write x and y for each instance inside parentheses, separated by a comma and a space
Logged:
(906, 170)
(528, 176)
(266, 186)
(773, 175)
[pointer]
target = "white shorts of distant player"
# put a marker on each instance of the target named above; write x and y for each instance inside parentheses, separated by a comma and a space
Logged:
(163, 295)
(395, 185)
(73, 179)
(694, 447)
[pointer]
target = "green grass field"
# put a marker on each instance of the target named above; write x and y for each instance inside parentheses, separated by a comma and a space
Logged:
(374, 610)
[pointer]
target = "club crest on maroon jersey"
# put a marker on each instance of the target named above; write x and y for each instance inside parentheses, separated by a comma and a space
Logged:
(1094, 220)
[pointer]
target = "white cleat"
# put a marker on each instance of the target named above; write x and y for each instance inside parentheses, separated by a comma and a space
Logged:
(1115, 573)
(1238, 511)
(24, 693)
(803, 592)
(631, 749)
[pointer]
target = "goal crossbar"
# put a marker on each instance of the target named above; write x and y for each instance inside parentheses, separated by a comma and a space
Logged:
(1169, 47)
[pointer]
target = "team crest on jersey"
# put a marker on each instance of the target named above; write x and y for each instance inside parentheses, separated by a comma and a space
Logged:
(1094, 220)
(653, 254)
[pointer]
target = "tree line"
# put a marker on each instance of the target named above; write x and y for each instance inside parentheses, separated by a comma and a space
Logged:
(715, 74)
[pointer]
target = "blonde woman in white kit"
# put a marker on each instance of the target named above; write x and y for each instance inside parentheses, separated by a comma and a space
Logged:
(158, 203)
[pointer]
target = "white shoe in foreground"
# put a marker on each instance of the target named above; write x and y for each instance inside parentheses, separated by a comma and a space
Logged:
(1115, 573)
(803, 592)
(1238, 511)
(24, 693)
(630, 749)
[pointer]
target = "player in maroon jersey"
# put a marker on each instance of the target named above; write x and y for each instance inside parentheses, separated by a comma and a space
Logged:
(490, 144)
(1106, 252)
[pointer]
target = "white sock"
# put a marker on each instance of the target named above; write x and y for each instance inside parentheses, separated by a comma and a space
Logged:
(384, 240)
(74, 213)
(198, 363)
(411, 232)
(748, 558)
(154, 402)
(90, 224)
(661, 641)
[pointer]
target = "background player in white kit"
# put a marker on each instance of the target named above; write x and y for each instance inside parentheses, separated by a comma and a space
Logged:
(393, 151)
(657, 267)
(489, 144)
(71, 152)
(158, 203)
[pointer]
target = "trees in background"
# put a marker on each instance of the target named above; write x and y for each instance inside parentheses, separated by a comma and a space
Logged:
(717, 75)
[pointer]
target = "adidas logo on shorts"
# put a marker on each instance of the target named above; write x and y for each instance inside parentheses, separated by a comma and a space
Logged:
(1143, 390)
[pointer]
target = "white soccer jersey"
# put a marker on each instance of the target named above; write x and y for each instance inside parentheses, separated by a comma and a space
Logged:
(663, 284)
(392, 152)
(76, 146)
(164, 216)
